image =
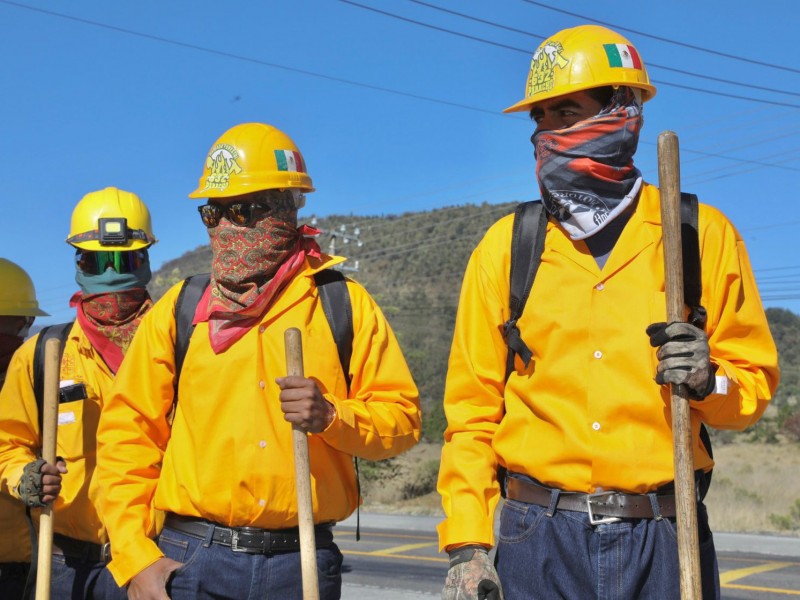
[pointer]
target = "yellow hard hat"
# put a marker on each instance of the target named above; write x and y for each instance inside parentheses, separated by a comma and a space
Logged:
(251, 157)
(583, 57)
(111, 219)
(17, 296)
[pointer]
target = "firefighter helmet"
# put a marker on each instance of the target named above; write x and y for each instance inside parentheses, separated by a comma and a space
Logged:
(17, 295)
(111, 219)
(251, 157)
(583, 57)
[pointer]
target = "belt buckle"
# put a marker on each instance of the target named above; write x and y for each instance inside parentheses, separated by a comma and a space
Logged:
(105, 552)
(252, 548)
(599, 520)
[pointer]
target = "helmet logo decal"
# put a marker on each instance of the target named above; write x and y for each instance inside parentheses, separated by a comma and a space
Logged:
(290, 160)
(543, 65)
(221, 162)
(622, 55)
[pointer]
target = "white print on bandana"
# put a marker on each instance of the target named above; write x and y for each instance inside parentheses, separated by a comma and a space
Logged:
(583, 214)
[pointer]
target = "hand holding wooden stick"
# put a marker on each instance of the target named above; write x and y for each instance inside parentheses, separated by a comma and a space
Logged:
(305, 514)
(685, 494)
(52, 368)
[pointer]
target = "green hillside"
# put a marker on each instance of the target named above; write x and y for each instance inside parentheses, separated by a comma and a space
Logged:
(412, 264)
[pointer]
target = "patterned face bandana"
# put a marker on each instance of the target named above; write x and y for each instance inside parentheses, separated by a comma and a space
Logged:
(110, 319)
(250, 265)
(585, 172)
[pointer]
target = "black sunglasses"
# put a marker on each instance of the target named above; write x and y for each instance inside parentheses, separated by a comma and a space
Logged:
(97, 262)
(242, 214)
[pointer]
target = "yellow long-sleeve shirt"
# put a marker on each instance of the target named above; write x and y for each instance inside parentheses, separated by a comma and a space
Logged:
(228, 455)
(20, 437)
(587, 413)
(15, 545)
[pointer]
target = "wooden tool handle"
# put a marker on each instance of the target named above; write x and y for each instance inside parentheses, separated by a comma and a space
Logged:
(669, 181)
(52, 368)
(305, 513)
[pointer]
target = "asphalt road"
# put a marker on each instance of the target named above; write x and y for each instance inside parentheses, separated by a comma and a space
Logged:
(397, 559)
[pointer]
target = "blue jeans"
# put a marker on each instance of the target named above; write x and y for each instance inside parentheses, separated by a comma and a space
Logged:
(565, 557)
(215, 571)
(77, 579)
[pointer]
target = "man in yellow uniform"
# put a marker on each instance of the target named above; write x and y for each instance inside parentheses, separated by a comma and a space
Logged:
(18, 309)
(110, 231)
(223, 469)
(583, 429)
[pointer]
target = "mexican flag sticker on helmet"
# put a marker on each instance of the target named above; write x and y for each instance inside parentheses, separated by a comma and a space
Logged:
(622, 55)
(290, 160)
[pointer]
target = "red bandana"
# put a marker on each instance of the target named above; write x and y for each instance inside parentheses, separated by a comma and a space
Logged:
(250, 266)
(110, 319)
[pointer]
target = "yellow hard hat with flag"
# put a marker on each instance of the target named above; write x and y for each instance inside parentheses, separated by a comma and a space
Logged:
(251, 157)
(583, 57)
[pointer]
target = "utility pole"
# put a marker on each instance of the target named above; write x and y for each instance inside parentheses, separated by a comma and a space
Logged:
(345, 238)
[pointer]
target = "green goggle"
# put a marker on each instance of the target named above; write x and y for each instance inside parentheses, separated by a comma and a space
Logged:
(98, 262)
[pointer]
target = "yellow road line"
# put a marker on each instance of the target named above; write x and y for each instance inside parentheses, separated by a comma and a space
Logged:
(731, 576)
(342, 533)
(405, 556)
(755, 588)
(398, 549)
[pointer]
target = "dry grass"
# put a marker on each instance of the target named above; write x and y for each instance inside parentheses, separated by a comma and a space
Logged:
(751, 482)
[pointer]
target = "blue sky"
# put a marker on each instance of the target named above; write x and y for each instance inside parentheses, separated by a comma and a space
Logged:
(393, 113)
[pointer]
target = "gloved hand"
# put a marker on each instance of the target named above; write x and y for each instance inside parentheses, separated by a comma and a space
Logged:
(684, 357)
(40, 482)
(471, 576)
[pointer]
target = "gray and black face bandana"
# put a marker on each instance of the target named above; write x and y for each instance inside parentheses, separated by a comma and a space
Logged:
(585, 172)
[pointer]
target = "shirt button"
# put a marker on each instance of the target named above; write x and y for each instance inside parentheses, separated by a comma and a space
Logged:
(262, 444)
(261, 329)
(262, 502)
(596, 426)
(599, 287)
(261, 384)
(598, 354)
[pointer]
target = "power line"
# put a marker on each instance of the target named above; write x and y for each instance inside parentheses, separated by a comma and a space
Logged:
(663, 39)
(651, 64)
(248, 59)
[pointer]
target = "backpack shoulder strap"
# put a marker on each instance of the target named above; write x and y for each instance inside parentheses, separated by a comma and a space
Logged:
(690, 245)
(335, 297)
(61, 332)
(185, 306)
(527, 245)
(692, 293)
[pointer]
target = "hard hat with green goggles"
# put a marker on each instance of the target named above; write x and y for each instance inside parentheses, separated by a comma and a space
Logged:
(111, 220)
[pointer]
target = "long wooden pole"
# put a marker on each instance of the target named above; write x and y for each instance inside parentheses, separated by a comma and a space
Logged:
(669, 181)
(302, 471)
(52, 354)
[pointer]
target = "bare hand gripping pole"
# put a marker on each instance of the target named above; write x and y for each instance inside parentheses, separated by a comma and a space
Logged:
(52, 368)
(669, 181)
(305, 514)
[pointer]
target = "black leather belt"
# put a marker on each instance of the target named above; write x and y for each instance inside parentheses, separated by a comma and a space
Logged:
(250, 540)
(602, 507)
(87, 551)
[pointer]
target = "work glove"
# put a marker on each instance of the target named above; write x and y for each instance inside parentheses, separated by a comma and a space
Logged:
(684, 357)
(40, 483)
(471, 576)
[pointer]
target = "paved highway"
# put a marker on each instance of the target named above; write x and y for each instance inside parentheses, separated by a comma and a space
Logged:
(397, 559)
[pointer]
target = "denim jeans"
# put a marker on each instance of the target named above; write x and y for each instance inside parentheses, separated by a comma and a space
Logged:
(77, 579)
(215, 571)
(563, 556)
